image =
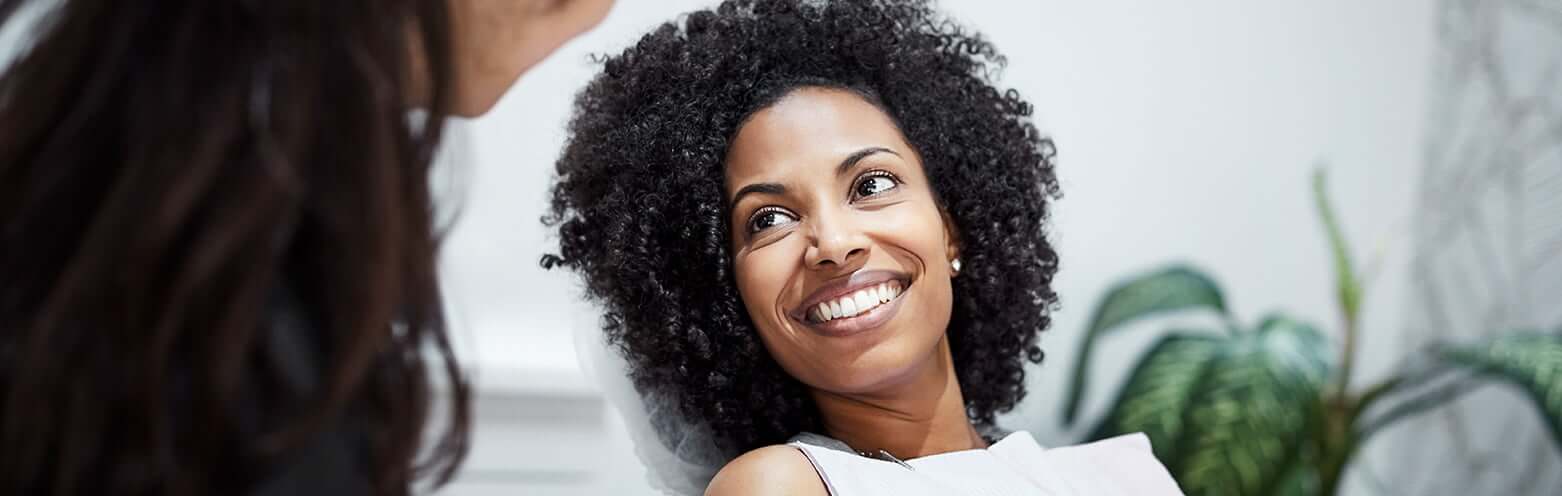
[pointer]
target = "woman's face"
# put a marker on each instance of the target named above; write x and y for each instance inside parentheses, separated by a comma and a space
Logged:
(841, 253)
(495, 41)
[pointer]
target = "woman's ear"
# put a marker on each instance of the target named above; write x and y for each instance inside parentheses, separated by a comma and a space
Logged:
(951, 235)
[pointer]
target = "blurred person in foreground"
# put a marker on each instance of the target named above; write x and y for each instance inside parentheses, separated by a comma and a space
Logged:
(217, 253)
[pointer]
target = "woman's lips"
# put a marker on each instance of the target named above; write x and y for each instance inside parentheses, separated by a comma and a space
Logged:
(861, 302)
(862, 322)
(851, 304)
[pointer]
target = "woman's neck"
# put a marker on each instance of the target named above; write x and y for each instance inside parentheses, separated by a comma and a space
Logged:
(922, 416)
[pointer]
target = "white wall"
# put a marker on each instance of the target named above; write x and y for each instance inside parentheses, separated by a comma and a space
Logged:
(1188, 131)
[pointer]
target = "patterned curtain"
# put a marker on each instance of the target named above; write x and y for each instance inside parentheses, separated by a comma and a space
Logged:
(1487, 244)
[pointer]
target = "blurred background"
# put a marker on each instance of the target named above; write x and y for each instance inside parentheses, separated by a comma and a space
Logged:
(1187, 132)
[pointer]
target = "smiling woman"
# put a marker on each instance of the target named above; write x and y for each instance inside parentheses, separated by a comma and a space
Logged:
(818, 230)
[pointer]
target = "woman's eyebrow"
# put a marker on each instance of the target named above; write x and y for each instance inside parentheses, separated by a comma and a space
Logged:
(857, 156)
(766, 188)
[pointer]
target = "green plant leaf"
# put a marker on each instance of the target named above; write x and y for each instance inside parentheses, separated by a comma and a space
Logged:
(1229, 414)
(1171, 289)
(1530, 360)
(1297, 346)
(1347, 286)
(1302, 479)
(1248, 419)
(1158, 390)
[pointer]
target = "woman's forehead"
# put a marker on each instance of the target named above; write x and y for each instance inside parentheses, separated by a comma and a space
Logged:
(809, 130)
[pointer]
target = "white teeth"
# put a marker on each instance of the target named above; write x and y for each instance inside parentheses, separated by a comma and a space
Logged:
(865, 300)
(849, 306)
(856, 303)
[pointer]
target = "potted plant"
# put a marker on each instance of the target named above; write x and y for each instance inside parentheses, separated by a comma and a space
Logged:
(1267, 408)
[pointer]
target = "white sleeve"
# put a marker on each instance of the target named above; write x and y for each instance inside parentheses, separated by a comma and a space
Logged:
(1123, 465)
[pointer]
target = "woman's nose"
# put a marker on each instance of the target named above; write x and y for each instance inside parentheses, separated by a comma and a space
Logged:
(837, 242)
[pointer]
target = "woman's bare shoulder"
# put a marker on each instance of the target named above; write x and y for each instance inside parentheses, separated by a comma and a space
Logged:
(771, 470)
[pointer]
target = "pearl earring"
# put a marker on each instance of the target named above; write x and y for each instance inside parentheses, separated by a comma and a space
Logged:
(955, 264)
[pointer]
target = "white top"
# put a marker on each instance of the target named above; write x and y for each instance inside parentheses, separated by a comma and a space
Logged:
(1014, 465)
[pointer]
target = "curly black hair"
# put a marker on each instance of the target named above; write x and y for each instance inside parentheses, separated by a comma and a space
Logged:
(641, 214)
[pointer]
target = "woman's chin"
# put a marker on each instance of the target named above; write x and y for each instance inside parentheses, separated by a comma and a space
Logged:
(884, 365)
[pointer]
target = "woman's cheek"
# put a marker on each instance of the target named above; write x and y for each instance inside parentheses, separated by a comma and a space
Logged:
(912, 230)
(763, 275)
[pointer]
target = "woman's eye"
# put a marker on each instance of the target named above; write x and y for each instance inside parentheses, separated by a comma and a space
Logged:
(873, 185)
(769, 218)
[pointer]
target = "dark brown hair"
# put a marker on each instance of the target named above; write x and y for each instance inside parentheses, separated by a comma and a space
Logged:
(173, 175)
